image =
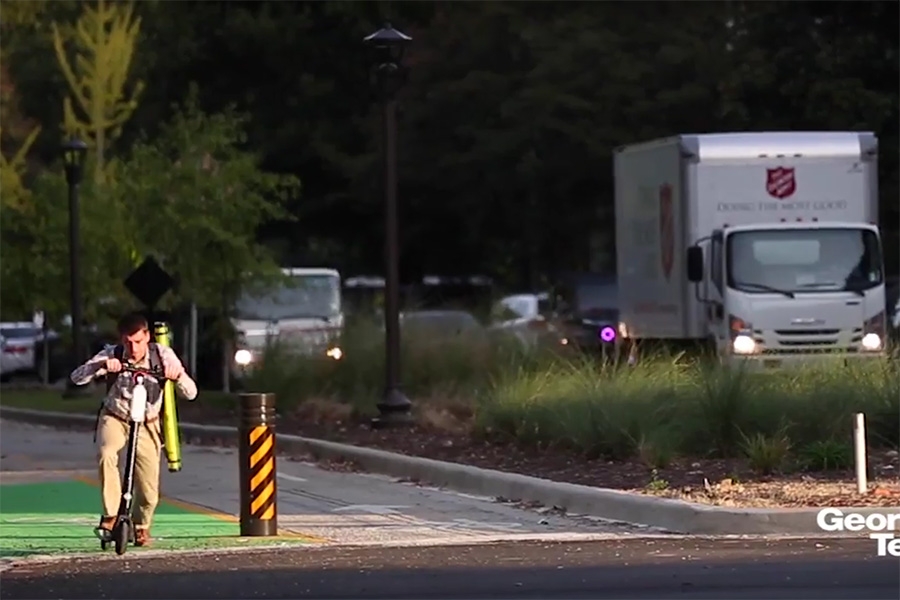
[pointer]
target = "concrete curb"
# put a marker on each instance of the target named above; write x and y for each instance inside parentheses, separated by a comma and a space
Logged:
(669, 514)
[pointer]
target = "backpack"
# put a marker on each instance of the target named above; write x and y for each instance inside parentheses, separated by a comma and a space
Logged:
(119, 353)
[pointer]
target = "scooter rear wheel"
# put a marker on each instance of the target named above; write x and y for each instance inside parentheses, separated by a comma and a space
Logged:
(121, 536)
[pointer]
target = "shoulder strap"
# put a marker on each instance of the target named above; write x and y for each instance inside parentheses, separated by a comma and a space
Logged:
(155, 356)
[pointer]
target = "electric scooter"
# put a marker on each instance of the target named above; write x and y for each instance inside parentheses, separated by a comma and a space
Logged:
(123, 532)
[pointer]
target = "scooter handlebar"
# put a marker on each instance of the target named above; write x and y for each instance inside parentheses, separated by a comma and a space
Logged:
(158, 373)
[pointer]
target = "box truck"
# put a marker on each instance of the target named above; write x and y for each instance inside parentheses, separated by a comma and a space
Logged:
(763, 245)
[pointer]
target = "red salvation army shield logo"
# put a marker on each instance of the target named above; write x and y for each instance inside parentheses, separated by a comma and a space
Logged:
(780, 182)
(666, 229)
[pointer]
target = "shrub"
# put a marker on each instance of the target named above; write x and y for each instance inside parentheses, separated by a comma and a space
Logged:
(664, 407)
(767, 454)
(459, 368)
(824, 455)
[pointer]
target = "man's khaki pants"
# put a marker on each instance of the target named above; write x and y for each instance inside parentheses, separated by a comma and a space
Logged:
(112, 437)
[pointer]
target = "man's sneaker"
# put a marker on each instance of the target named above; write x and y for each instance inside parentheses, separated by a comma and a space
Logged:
(142, 537)
(104, 529)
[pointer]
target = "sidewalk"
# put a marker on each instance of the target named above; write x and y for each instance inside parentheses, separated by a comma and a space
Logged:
(49, 503)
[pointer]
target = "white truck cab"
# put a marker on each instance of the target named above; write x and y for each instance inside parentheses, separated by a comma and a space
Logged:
(764, 245)
(305, 314)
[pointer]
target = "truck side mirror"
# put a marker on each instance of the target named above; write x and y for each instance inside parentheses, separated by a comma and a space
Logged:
(695, 264)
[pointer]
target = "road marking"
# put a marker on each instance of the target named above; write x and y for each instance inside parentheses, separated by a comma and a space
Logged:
(372, 509)
(211, 512)
(291, 478)
(49, 520)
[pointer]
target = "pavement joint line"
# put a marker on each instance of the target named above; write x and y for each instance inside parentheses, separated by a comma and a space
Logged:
(670, 515)
(44, 559)
(211, 512)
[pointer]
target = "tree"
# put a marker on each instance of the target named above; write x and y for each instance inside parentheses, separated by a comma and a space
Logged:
(34, 272)
(195, 201)
(105, 39)
(15, 196)
(824, 66)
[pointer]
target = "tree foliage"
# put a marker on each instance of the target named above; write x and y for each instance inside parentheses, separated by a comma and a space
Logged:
(34, 272)
(105, 40)
(507, 124)
(195, 200)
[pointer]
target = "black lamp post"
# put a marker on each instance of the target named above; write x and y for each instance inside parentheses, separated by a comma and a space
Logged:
(74, 154)
(389, 75)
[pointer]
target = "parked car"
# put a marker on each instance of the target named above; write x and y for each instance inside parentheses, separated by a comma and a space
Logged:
(18, 342)
(585, 311)
(525, 317)
(438, 325)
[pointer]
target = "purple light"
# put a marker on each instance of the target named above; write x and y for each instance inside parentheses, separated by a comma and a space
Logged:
(607, 334)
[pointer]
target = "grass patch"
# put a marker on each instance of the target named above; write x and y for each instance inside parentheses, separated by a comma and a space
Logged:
(53, 400)
(668, 407)
(660, 409)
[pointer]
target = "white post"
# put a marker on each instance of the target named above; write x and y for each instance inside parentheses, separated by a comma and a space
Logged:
(859, 444)
(40, 321)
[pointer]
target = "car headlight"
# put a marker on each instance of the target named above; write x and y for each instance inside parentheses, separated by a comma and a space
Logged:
(335, 353)
(743, 344)
(871, 341)
(243, 357)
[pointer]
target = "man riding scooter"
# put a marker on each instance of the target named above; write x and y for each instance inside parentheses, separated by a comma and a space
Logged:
(138, 351)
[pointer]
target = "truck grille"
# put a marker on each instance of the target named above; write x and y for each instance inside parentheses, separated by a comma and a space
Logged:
(812, 350)
(808, 341)
(806, 332)
(313, 341)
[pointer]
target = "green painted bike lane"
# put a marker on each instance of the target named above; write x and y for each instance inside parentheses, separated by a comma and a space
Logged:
(53, 518)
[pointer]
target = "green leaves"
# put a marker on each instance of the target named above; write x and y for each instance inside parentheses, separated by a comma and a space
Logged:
(191, 197)
(34, 273)
(195, 200)
(105, 38)
(506, 127)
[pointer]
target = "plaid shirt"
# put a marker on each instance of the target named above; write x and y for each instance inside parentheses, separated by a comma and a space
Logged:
(119, 396)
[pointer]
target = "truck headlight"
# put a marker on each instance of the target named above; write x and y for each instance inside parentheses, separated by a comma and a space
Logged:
(335, 353)
(871, 341)
(743, 344)
(243, 357)
(873, 333)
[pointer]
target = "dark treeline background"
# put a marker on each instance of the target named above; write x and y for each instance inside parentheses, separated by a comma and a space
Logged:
(509, 118)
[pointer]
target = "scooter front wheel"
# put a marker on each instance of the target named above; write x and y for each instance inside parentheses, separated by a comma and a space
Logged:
(121, 536)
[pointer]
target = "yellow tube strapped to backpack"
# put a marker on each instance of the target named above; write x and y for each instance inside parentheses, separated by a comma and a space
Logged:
(171, 437)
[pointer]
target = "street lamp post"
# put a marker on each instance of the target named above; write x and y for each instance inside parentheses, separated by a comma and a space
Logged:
(389, 75)
(74, 153)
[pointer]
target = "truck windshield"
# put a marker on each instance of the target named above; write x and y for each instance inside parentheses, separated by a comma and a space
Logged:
(306, 296)
(803, 260)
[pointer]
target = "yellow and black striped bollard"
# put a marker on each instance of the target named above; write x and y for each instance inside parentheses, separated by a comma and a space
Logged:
(259, 511)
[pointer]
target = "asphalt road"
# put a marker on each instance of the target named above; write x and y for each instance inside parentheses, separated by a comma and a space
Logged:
(636, 568)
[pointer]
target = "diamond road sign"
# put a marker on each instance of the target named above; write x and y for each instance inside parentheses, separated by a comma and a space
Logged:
(149, 282)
